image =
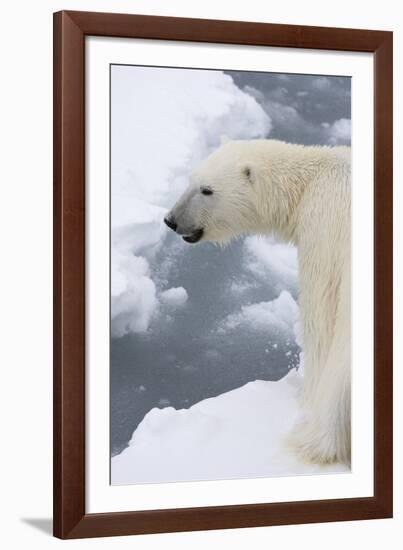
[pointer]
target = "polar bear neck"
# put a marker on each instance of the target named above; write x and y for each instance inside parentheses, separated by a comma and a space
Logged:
(288, 172)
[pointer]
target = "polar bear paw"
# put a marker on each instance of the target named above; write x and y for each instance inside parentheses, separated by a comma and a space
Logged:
(313, 445)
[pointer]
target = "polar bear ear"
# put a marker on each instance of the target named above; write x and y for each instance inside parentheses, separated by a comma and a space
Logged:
(224, 139)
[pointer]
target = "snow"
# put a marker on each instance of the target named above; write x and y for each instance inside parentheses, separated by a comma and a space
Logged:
(340, 132)
(271, 260)
(281, 313)
(321, 83)
(250, 423)
(163, 123)
(267, 260)
(174, 297)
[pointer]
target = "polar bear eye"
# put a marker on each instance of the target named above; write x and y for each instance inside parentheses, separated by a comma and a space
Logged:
(206, 191)
(247, 171)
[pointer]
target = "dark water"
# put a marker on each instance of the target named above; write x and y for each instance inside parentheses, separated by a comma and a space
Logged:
(182, 359)
(300, 106)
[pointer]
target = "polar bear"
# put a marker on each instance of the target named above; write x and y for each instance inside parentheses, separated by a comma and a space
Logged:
(301, 195)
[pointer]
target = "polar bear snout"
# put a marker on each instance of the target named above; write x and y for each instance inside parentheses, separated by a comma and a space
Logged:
(189, 235)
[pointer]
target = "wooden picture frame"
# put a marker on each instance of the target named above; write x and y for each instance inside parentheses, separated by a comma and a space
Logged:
(70, 517)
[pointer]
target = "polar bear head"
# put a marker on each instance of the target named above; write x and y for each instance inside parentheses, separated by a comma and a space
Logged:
(224, 196)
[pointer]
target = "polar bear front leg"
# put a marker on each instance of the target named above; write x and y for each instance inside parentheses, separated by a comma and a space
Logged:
(324, 436)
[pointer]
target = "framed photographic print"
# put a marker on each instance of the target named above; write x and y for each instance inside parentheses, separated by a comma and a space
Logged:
(222, 272)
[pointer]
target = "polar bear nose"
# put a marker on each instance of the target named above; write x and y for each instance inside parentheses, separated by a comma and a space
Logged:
(170, 223)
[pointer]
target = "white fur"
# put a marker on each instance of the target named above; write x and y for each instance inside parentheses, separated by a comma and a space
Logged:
(302, 195)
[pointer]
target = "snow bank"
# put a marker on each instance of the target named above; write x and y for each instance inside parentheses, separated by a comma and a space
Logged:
(239, 434)
(164, 122)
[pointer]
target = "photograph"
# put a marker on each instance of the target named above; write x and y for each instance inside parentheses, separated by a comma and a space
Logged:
(230, 265)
